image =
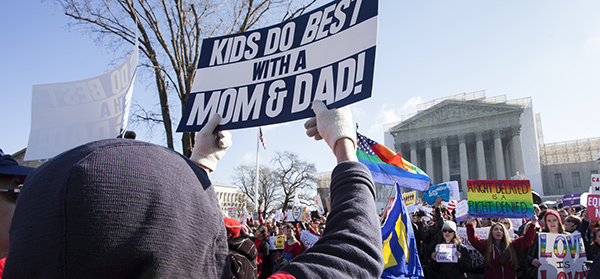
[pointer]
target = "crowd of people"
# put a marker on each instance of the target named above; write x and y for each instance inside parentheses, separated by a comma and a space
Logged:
(122, 208)
(497, 254)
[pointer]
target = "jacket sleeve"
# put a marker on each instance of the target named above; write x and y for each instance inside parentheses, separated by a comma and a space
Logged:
(476, 242)
(351, 245)
(526, 240)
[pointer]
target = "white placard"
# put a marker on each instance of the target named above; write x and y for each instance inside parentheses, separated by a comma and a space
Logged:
(595, 189)
(454, 192)
(68, 114)
(562, 256)
(445, 253)
(308, 239)
(461, 210)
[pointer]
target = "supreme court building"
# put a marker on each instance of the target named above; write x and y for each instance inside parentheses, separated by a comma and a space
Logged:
(469, 136)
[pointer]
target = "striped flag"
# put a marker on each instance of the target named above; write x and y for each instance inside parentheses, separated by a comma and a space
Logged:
(388, 167)
(262, 139)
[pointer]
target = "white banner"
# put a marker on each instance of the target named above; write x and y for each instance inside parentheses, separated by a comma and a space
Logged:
(308, 239)
(561, 255)
(68, 114)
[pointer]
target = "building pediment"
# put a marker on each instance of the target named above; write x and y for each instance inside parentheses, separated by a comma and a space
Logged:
(452, 111)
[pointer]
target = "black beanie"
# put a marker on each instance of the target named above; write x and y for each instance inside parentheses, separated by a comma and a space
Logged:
(117, 208)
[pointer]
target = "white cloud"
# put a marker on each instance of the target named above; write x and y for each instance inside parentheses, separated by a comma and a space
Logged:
(410, 106)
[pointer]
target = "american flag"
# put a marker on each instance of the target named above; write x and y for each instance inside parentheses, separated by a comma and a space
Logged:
(262, 139)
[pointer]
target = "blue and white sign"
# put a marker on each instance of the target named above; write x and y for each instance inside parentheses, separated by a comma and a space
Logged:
(437, 191)
(272, 75)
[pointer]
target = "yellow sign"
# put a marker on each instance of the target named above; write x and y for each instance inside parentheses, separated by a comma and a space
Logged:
(409, 198)
(280, 242)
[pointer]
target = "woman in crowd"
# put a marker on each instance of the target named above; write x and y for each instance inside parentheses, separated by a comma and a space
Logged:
(552, 224)
(499, 251)
(261, 241)
(455, 270)
(507, 223)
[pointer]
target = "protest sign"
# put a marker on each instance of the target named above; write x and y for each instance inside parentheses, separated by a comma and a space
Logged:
(409, 198)
(437, 191)
(308, 239)
(572, 200)
(593, 206)
(561, 255)
(454, 192)
(445, 253)
(461, 210)
(595, 189)
(272, 75)
(297, 213)
(68, 114)
(276, 242)
(289, 217)
(319, 203)
(232, 212)
(500, 198)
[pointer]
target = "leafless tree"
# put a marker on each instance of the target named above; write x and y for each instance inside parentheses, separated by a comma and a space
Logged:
(268, 194)
(293, 175)
(170, 34)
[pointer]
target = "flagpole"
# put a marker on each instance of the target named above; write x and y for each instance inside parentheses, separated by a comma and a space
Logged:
(256, 178)
(388, 201)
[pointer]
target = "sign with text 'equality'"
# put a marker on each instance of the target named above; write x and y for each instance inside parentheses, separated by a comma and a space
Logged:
(500, 198)
(272, 75)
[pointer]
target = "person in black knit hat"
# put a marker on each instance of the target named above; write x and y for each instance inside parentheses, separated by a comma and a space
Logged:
(120, 208)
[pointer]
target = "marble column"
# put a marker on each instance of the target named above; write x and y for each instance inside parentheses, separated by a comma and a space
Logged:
(480, 156)
(464, 162)
(500, 170)
(413, 154)
(429, 159)
(517, 152)
(445, 162)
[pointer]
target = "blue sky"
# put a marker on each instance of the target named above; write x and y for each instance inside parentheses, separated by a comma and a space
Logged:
(546, 50)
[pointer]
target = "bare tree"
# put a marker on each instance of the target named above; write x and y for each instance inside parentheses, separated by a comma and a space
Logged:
(293, 175)
(268, 194)
(170, 34)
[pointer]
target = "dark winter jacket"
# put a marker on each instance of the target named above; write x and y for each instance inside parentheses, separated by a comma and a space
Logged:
(242, 257)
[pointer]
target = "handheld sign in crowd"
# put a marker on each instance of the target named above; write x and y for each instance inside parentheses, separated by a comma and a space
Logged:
(68, 114)
(308, 239)
(461, 210)
(276, 242)
(595, 189)
(437, 191)
(232, 212)
(409, 198)
(593, 206)
(272, 75)
(500, 198)
(445, 253)
(454, 193)
(561, 255)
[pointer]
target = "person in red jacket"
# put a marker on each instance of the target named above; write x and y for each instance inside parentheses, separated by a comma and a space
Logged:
(499, 251)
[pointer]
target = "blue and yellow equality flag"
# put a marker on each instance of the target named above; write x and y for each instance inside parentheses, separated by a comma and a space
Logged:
(400, 254)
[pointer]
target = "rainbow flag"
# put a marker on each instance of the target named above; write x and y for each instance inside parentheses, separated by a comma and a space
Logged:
(387, 167)
(400, 256)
